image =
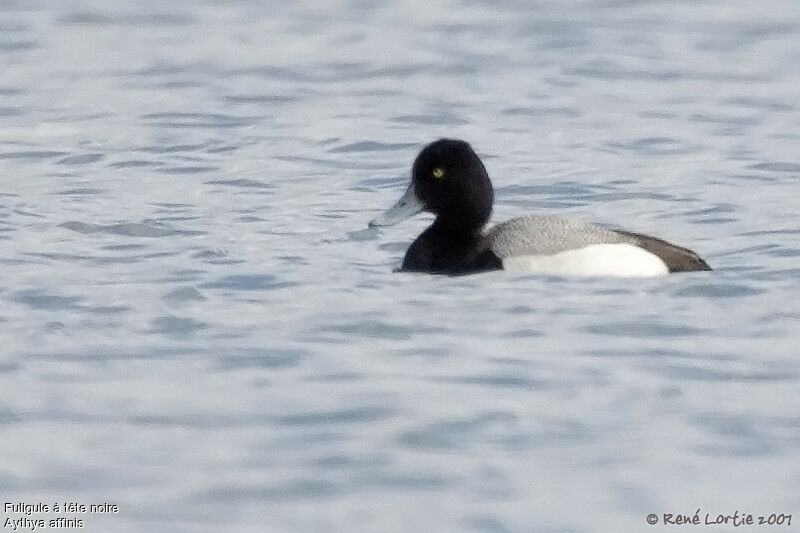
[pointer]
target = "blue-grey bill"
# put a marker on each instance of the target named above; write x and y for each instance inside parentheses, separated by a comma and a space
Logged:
(406, 207)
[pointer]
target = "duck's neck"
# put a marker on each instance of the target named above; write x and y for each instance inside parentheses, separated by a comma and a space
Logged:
(459, 227)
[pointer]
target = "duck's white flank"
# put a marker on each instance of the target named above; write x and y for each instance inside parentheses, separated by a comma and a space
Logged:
(605, 259)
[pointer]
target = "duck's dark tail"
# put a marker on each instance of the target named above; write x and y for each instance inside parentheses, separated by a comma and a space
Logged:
(676, 258)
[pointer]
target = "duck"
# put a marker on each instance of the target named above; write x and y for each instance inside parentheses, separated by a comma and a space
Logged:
(449, 180)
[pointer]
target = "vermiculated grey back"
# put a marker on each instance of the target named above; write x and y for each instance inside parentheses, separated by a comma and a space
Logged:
(546, 235)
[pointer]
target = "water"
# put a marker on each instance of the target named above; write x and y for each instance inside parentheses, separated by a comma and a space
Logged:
(198, 328)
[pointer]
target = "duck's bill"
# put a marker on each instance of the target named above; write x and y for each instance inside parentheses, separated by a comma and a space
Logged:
(406, 207)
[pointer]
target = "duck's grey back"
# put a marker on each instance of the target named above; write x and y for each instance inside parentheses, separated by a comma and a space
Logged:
(547, 235)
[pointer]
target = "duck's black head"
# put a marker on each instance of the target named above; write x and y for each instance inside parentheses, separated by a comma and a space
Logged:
(449, 180)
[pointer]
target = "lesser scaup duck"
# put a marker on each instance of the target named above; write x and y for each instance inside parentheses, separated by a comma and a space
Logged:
(449, 180)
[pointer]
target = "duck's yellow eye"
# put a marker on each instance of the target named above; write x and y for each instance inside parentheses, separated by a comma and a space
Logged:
(438, 173)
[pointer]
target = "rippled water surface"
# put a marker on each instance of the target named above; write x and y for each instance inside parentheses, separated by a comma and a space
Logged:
(197, 327)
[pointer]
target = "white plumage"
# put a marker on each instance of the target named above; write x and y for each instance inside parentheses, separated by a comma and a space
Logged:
(557, 245)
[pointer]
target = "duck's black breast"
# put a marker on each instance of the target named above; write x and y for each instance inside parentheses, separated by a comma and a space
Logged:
(439, 253)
